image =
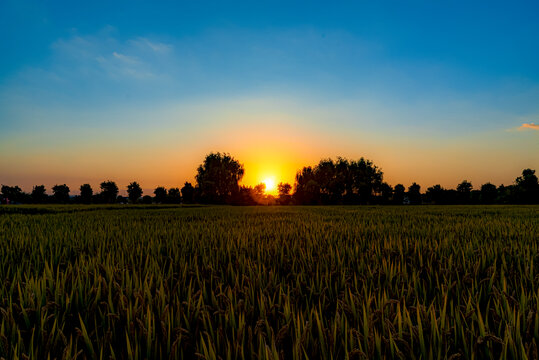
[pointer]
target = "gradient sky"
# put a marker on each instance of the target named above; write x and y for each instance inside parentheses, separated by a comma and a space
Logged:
(432, 92)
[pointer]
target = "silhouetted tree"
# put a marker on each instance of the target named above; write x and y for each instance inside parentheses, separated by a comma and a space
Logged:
(160, 195)
(345, 180)
(329, 182)
(109, 191)
(329, 190)
(398, 194)
(465, 187)
(436, 194)
(147, 199)
(134, 192)
(258, 193)
(39, 195)
(414, 194)
(307, 189)
(244, 196)
(174, 196)
(61, 193)
(505, 194)
(475, 197)
(367, 179)
(260, 189)
(13, 194)
(386, 193)
(284, 188)
(217, 178)
(489, 193)
(341, 181)
(86, 193)
(188, 193)
(527, 187)
(464, 190)
(284, 193)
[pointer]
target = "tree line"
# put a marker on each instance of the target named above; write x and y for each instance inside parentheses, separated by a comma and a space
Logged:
(330, 182)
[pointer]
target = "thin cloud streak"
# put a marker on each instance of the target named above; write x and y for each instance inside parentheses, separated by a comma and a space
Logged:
(157, 47)
(125, 58)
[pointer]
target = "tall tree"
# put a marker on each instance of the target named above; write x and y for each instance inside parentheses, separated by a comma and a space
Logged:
(109, 191)
(464, 190)
(527, 187)
(344, 177)
(258, 193)
(284, 193)
(284, 189)
(174, 196)
(134, 192)
(489, 193)
(61, 193)
(86, 193)
(39, 195)
(329, 188)
(260, 189)
(160, 195)
(307, 189)
(386, 193)
(436, 194)
(414, 194)
(342, 181)
(398, 194)
(13, 194)
(367, 179)
(506, 194)
(217, 178)
(188, 193)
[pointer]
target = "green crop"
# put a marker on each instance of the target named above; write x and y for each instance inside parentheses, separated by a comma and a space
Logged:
(129, 282)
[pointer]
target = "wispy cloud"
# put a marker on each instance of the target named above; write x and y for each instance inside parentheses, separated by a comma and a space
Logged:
(529, 126)
(125, 58)
(104, 55)
(158, 47)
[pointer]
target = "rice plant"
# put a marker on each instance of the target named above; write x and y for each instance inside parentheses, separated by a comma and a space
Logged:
(173, 282)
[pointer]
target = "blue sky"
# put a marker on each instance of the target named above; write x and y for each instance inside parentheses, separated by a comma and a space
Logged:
(432, 92)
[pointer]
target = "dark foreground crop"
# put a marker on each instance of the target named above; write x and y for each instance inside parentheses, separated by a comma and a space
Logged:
(277, 282)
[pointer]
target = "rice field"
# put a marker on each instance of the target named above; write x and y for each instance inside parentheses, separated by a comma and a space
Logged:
(157, 282)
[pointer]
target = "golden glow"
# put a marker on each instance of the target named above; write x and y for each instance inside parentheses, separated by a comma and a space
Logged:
(271, 186)
(271, 144)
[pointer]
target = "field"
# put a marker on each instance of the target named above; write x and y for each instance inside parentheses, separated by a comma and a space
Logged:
(269, 282)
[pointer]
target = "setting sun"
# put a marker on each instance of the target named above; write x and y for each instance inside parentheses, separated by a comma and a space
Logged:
(270, 185)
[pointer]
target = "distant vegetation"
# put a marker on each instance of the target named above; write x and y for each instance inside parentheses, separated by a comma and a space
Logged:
(333, 282)
(331, 182)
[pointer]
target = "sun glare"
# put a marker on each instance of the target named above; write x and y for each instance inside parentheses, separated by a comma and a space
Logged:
(270, 185)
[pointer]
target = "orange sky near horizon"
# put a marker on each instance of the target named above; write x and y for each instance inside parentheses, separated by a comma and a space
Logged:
(261, 161)
(272, 139)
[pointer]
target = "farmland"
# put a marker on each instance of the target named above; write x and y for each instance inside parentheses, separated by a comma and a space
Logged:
(269, 282)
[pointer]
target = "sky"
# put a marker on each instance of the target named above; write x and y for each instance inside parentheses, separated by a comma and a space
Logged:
(432, 92)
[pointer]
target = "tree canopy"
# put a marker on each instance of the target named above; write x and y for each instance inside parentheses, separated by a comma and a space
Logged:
(340, 181)
(134, 192)
(39, 194)
(109, 191)
(61, 193)
(218, 177)
(86, 193)
(160, 193)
